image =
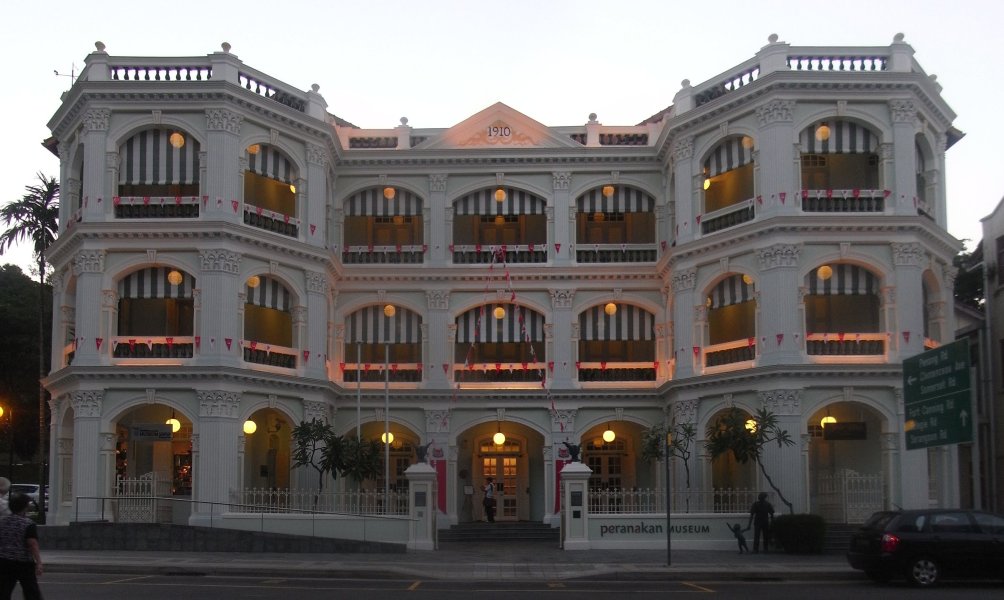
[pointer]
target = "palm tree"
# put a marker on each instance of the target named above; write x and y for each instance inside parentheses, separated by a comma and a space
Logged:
(35, 217)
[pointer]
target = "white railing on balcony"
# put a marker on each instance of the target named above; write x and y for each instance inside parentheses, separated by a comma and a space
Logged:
(743, 350)
(723, 218)
(285, 500)
(156, 200)
(846, 344)
(155, 347)
(647, 500)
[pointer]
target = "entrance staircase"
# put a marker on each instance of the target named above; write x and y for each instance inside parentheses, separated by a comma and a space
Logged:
(501, 531)
(838, 537)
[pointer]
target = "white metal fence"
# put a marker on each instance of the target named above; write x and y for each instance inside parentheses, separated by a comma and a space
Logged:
(646, 500)
(136, 499)
(848, 496)
(360, 502)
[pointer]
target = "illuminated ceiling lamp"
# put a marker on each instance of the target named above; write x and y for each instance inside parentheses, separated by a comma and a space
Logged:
(610, 309)
(707, 302)
(174, 423)
(387, 437)
(389, 193)
(747, 142)
(500, 195)
(292, 188)
(747, 279)
(751, 425)
(398, 219)
(254, 149)
(824, 272)
(499, 312)
(254, 281)
(499, 437)
(174, 277)
(609, 435)
(826, 421)
(823, 132)
(707, 182)
(599, 217)
(389, 310)
(176, 139)
(500, 219)
(250, 427)
(608, 191)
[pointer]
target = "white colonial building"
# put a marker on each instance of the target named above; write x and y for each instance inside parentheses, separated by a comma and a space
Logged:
(231, 251)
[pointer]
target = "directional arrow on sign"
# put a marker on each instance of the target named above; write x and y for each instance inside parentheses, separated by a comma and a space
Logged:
(910, 380)
(963, 416)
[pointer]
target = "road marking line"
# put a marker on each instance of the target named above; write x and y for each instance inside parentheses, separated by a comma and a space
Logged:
(272, 581)
(414, 586)
(128, 579)
(555, 584)
(697, 587)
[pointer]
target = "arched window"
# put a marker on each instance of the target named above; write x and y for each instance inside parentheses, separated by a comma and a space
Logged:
(728, 185)
(503, 342)
(615, 223)
(616, 344)
(840, 168)
(369, 331)
(382, 229)
(494, 217)
(156, 314)
(269, 193)
(158, 175)
(731, 322)
(268, 323)
(843, 311)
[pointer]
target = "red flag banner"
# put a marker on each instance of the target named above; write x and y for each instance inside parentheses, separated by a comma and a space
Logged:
(229, 342)
(557, 248)
(780, 338)
(885, 193)
(233, 203)
(446, 367)
(341, 366)
(782, 196)
(97, 343)
(697, 350)
(198, 341)
(306, 355)
(906, 337)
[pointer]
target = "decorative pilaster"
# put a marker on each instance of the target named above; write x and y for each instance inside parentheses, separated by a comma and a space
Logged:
(88, 478)
(688, 197)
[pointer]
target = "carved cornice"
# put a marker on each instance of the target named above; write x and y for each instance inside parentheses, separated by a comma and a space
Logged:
(437, 421)
(775, 111)
(317, 155)
(903, 111)
(561, 180)
(562, 298)
(949, 272)
(563, 421)
(437, 182)
(684, 280)
(96, 119)
(782, 402)
(317, 282)
(908, 255)
(683, 148)
(224, 261)
(87, 404)
(112, 160)
(438, 299)
(778, 255)
(685, 411)
(221, 119)
(217, 403)
(312, 409)
(89, 261)
(109, 298)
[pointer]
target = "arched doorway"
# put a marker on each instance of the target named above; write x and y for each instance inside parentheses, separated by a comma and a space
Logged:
(729, 476)
(516, 464)
(267, 450)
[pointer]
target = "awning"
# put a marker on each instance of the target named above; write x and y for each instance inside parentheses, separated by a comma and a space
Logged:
(728, 155)
(625, 199)
(148, 158)
(270, 293)
(371, 203)
(269, 162)
(845, 138)
(516, 202)
(731, 290)
(371, 326)
(845, 280)
(490, 330)
(152, 283)
(629, 323)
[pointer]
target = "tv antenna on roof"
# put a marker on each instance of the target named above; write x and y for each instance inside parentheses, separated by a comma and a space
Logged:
(72, 75)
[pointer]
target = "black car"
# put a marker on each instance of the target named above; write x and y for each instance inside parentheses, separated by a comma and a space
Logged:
(925, 546)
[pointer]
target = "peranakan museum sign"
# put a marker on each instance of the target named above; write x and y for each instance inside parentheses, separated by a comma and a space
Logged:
(697, 531)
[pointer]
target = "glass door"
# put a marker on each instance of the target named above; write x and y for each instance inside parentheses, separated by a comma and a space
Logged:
(502, 463)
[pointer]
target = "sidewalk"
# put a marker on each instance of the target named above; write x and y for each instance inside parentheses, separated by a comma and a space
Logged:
(466, 561)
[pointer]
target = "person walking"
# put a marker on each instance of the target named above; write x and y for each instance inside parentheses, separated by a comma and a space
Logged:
(761, 518)
(489, 501)
(20, 560)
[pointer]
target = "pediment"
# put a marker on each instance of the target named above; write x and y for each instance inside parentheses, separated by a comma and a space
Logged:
(498, 126)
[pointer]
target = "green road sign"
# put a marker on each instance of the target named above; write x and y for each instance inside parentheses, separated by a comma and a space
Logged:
(937, 397)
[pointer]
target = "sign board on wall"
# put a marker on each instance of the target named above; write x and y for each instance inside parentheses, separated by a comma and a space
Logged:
(938, 397)
(150, 432)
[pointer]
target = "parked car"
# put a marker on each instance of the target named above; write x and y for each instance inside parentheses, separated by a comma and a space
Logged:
(925, 546)
(28, 489)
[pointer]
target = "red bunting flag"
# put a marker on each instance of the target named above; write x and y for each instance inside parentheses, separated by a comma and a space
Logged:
(557, 248)
(498, 367)
(369, 248)
(885, 193)
(698, 219)
(525, 366)
(97, 343)
(446, 367)
(116, 200)
(530, 246)
(805, 194)
(341, 366)
(550, 366)
(782, 196)
(177, 200)
(205, 200)
(697, 350)
(170, 342)
(393, 367)
(655, 365)
(780, 338)
(662, 244)
(759, 199)
(840, 336)
(603, 365)
(146, 200)
(906, 337)
(451, 247)
(198, 341)
(578, 364)
(829, 193)
(254, 346)
(856, 193)
(750, 342)
(313, 228)
(477, 247)
(306, 355)
(229, 341)
(366, 367)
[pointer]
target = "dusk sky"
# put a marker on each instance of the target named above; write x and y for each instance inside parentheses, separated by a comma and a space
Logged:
(439, 61)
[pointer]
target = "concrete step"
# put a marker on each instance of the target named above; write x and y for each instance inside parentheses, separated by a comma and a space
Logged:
(500, 531)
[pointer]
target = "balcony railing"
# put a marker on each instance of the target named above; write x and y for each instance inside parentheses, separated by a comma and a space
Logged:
(153, 347)
(502, 372)
(156, 207)
(377, 255)
(845, 344)
(844, 201)
(730, 216)
(270, 355)
(269, 220)
(616, 501)
(360, 502)
(730, 352)
(615, 253)
(375, 373)
(467, 254)
(616, 371)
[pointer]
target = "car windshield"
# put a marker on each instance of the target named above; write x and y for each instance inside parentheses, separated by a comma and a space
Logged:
(879, 520)
(23, 488)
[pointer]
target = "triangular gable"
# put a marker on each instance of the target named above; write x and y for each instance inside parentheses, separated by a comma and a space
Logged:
(498, 126)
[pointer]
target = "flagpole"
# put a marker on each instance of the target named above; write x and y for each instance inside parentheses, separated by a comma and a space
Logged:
(359, 390)
(386, 425)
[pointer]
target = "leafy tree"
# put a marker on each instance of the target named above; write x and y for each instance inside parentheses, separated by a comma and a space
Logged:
(729, 434)
(681, 435)
(361, 459)
(318, 447)
(35, 217)
(969, 280)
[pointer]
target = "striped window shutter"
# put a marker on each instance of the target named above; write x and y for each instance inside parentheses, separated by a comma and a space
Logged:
(371, 203)
(152, 283)
(270, 293)
(483, 202)
(629, 323)
(371, 326)
(731, 290)
(920, 159)
(475, 326)
(625, 199)
(728, 155)
(148, 158)
(845, 138)
(269, 162)
(846, 280)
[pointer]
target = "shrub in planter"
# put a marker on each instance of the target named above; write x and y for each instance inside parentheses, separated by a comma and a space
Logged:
(799, 534)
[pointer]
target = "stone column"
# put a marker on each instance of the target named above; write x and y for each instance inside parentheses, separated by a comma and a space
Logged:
(559, 230)
(95, 137)
(313, 228)
(904, 130)
(88, 477)
(438, 230)
(776, 176)
(563, 327)
(575, 500)
(684, 301)
(437, 349)
(556, 456)
(777, 307)
(783, 463)
(688, 194)
(89, 267)
(218, 472)
(219, 320)
(437, 438)
(223, 174)
(909, 261)
(314, 340)
(422, 506)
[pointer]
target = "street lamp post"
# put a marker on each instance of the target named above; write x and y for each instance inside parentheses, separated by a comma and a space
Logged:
(386, 425)
(669, 545)
(359, 390)
(10, 441)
